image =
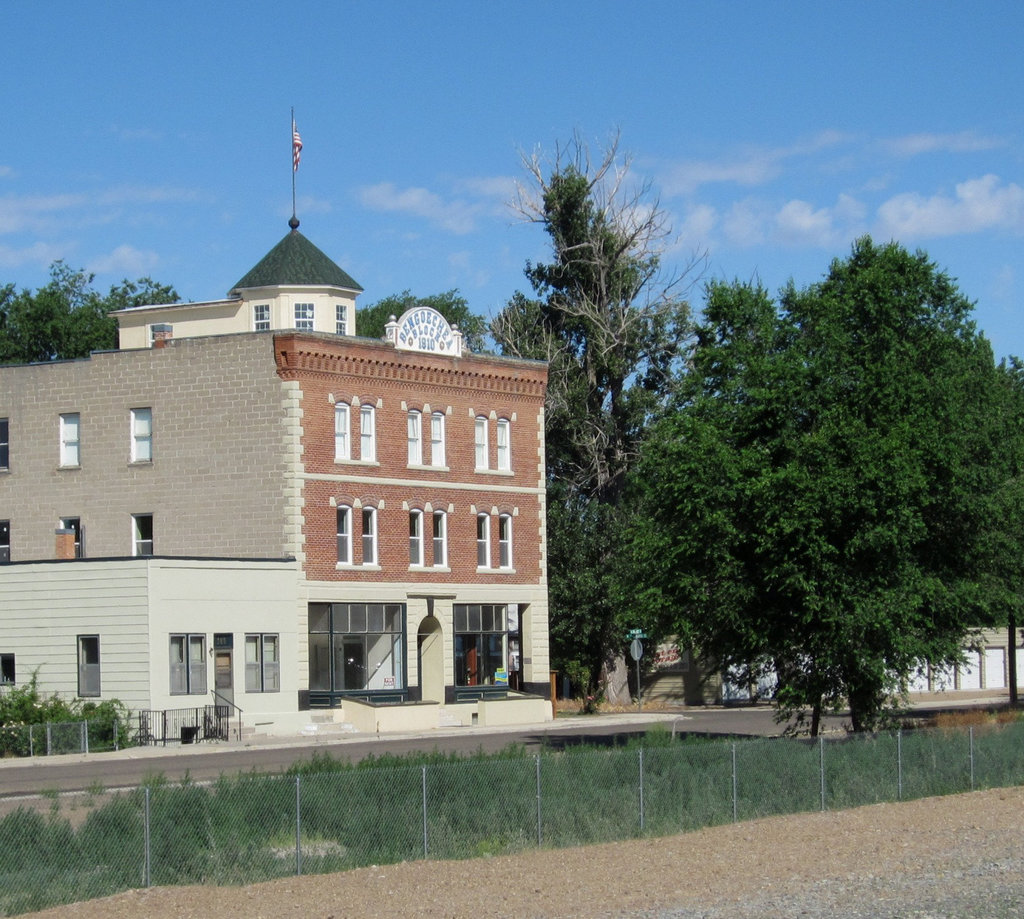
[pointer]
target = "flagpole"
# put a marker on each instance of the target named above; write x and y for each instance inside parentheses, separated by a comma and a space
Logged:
(294, 219)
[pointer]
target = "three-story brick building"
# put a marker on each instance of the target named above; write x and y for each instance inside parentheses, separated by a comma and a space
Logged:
(281, 514)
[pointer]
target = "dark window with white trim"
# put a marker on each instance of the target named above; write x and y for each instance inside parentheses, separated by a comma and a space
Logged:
(304, 316)
(369, 536)
(5, 541)
(483, 540)
(415, 537)
(505, 540)
(440, 537)
(5, 444)
(262, 663)
(344, 535)
(261, 317)
(142, 534)
(7, 675)
(88, 665)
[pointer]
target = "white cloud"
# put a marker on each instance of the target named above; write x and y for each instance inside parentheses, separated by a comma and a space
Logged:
(125, 260)
(41, 213)
(798, 222)
(457, 216)
(917, 144)
(6, 172)
(754, 166)
(977, 204)
(37, 254)
(746, 223)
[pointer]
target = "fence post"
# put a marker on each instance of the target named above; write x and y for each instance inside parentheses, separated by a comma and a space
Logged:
(735, 809)
(298, 824)
(147, 880)
(899, 765)
(85, 735)
(424, 784)
(539, 834)
(641, 789)
(821, 767)
(31, 748)
(970, 734)
(49, 738)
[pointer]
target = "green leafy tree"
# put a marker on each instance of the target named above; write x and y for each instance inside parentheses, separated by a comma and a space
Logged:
(611, 326)
(370, 320)
(816, 500)
(67, 318)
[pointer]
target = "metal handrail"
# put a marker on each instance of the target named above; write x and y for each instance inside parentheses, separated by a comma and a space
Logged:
(229, 702)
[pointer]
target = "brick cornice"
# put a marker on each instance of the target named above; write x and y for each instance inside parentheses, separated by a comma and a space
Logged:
(301, 356)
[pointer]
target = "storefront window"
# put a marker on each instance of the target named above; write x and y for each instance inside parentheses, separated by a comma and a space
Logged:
(356, 647)
(481, 644)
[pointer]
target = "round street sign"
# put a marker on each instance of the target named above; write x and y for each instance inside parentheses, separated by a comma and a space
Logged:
(636, 649)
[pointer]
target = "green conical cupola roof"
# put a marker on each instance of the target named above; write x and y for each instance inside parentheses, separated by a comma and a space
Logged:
(295, 260)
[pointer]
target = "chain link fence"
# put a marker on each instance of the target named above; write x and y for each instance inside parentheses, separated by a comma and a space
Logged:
(55, 738)
(251, 828)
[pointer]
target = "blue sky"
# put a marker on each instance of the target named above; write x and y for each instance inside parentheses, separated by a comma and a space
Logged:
(153, 138)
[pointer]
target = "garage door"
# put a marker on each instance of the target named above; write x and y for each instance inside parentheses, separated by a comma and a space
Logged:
(969, 673)
(995, 668)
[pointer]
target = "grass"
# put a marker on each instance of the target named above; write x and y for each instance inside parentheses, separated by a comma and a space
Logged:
(242, 829)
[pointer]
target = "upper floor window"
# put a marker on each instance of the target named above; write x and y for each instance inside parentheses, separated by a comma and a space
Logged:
(261, 317)
(5, 444)
(367, 433)
(480, 442)
(483, 540)
(5, 541)
(344, 536)
(341, 319)
(142, 534)
(414, 425)
(440, 537)
(503, 429)
(88, 665)
(342, 441)
(437, 457)
(142, 435)
(7, 673)
(304, 316)
(505, 540)
(70, 440)
(415, 537)
(369, 536)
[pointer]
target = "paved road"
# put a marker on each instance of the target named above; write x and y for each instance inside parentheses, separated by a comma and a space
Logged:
(206, 761)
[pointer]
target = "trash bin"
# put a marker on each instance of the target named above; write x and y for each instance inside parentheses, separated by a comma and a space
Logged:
(189, 735)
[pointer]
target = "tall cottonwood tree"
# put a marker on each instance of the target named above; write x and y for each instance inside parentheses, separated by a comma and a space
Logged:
(611, 325)
(818, 496)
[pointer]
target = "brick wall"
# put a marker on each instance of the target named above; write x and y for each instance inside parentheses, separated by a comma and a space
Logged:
(393, 381)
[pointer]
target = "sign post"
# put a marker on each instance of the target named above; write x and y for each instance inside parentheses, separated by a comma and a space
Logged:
(636, 651)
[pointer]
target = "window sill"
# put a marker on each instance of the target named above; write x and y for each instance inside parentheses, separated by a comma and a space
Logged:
(480, 570)
(148, 462)
(355, 462)
(507, 472)
(351, 566)
(424, 467)
(441, 569)
(67, 468)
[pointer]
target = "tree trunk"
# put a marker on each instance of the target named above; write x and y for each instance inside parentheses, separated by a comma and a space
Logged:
(615, 681)
(1011, 650)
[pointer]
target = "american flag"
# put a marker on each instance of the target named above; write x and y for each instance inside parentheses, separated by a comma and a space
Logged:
(296, 147)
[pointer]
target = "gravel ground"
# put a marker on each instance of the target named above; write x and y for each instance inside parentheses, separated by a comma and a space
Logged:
(937, 858)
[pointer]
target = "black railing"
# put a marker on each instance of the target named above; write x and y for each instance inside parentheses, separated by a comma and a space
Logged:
(183, 725)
